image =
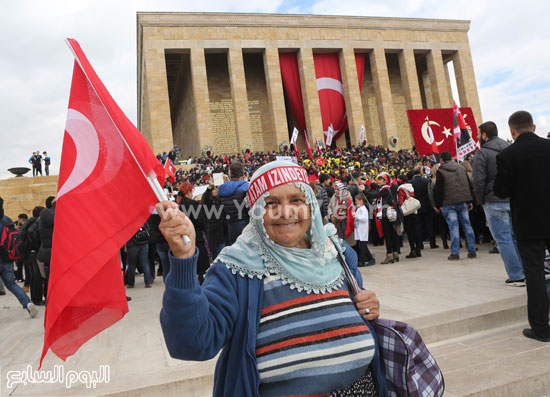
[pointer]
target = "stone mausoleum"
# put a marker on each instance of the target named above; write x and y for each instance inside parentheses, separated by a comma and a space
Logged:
(217, 80)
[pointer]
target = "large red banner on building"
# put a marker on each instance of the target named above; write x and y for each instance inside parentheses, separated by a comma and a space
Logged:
(331, 91)
(440, 121)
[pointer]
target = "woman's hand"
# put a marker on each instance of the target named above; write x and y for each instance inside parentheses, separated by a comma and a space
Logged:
(366, 299)
(173, 225)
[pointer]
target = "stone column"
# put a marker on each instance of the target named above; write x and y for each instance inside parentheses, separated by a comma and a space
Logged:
(409, 79)
(382, 91)
(438, 82)
(352, 95)
(240, 98)
(158, 102)
(201, 98)
(448, 79)
(466, 82)
(274, 84)
(308, 81)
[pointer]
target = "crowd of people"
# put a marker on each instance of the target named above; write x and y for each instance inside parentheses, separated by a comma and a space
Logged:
(266, 234)
(276, 303)
(37, 159)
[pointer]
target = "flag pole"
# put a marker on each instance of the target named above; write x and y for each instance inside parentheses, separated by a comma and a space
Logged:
(153, 182)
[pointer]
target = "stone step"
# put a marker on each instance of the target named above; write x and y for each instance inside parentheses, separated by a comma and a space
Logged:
(472, 319)
(497, 362)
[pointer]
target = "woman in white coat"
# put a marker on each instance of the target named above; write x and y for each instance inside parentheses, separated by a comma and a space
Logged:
(361, 215)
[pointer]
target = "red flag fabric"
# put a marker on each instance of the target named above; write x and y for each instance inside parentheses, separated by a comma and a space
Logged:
(308, 147)
(170, 170)
(247, 156)
(435, 149)
(439, 122)
(331, 91)
(350, 221)
(293, 89)
(320, 161)
(227, 160)
(103, 198)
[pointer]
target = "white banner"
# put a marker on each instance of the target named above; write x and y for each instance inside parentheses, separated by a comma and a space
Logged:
(287, 158)
(330, 134)
(361, 135)
(294, 136)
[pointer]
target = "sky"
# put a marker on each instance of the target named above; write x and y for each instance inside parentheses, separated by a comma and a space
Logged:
(509, 41)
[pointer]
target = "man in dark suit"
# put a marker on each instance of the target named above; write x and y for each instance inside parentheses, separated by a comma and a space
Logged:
(523, 174)
(423, 193)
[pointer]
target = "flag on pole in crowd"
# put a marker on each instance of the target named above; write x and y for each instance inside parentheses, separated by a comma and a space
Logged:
(435, 149)
(170, 170)
(330, 135)
(362, 139)
(318, 147)
(248, 155)
(227, 160)
(104, 196)
(462, 137)
(308, 147)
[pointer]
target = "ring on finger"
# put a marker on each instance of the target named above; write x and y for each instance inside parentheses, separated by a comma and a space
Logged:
(367, 310)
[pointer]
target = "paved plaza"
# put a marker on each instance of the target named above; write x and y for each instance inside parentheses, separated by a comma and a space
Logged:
(470, 320)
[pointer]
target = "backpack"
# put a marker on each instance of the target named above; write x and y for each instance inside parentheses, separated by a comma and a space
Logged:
(142, 235)
(9, 243)
(29, 235)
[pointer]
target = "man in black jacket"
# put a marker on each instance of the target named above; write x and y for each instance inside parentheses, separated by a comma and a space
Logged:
(232, 195)
(523, 171)
(45, 228)
(422, 192)
(497, 210)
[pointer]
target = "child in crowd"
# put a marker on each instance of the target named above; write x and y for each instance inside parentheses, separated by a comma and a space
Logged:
(361, 216)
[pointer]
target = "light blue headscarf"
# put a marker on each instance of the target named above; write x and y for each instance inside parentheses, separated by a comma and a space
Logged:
(255, 254)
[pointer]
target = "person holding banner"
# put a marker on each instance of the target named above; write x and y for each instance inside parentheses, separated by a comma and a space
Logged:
(280, 284)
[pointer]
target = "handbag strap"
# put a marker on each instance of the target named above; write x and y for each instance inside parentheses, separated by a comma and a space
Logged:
(349, 276)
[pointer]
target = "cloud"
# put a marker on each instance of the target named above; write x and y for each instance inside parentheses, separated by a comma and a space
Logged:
(509, 43)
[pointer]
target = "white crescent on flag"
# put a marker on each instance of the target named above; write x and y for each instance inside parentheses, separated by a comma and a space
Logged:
(328, 83)
(86, 143)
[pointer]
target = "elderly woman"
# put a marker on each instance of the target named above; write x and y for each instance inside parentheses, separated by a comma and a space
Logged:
(276, 302)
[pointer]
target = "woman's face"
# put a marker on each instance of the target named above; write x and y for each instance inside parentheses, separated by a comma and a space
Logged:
(287, 217)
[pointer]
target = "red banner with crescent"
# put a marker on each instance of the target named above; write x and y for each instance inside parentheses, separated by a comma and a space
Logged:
(440, 122)
(331, 91)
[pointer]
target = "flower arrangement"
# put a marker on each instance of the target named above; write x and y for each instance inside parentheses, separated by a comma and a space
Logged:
(284, 146)
(207, 151)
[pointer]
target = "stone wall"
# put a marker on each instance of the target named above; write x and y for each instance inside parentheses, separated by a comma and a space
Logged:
(261, 123)
(184, 123)
(22, 194)
(221, 104)
(227, 123)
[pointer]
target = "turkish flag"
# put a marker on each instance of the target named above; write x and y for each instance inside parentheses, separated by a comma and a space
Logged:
(440, 121)
(331, 91)
(170, 170)
(103, 197)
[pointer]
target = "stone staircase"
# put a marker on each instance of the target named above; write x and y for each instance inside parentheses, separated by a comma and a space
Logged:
(469, 319)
